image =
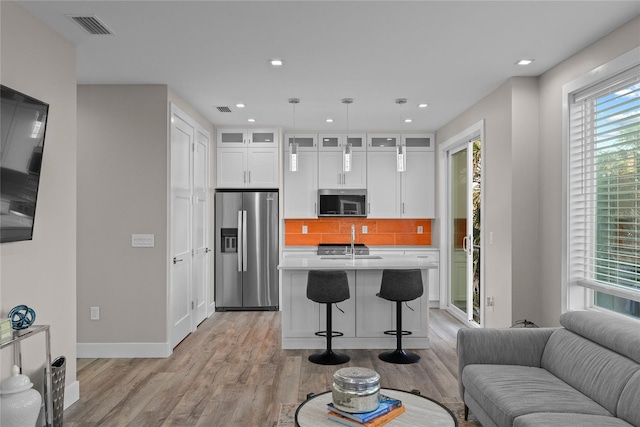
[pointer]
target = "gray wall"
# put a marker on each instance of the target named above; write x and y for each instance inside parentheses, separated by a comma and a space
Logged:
(122, 190)
(523, 183)
(42, 273)
(609, 47)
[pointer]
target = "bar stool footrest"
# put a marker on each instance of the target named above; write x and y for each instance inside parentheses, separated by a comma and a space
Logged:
(333, 334)
(395, 333)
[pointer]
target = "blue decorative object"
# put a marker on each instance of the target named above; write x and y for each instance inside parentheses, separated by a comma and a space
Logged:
(22, 317)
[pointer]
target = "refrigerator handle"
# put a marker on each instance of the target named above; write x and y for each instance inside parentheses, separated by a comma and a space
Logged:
(244, 240)
(240, 242)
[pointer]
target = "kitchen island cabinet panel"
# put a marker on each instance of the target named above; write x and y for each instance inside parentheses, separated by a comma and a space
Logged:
(374, 315)
(366, 316)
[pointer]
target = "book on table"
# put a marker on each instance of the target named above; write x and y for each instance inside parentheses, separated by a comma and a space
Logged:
(376, 422)
(386, 405)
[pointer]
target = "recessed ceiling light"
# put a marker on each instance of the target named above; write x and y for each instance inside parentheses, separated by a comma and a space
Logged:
(408, 120)
(251, 120)
(524, 62)
(423, 105)
(329, 120)
(277, 62)
(241, 105)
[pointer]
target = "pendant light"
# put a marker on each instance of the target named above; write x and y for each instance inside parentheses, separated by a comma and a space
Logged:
(293, 146)
(401, 149)
(346, 151)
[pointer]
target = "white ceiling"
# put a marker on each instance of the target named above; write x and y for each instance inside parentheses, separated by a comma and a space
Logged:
(449, 54)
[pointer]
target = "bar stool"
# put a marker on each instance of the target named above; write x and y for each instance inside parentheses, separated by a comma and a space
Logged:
(400, 286)
(328, 287)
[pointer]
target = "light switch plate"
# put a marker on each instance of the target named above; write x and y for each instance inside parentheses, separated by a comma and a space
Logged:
(305, 229)
(365, 229)
(420, 229)
(95, 313)
(143, 240)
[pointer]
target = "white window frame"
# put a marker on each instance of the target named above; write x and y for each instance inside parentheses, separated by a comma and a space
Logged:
(576, 296)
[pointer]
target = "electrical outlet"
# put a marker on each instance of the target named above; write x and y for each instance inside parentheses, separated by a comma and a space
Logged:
(95, 313)
(491, 237)
(420, 229)
(305, 229)
(365, 229)
(490, 303)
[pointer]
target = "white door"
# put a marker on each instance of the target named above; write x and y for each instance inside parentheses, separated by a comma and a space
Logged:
(200, 226)
(330, 174)
(357, 177)
(180, 316)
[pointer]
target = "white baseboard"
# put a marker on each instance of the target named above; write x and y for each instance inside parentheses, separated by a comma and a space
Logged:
(71, 394)
(123, 350)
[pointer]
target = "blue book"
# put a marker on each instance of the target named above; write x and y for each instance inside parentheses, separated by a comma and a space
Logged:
(386, 405)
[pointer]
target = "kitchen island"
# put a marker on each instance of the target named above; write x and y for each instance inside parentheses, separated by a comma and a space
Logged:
(365, 316)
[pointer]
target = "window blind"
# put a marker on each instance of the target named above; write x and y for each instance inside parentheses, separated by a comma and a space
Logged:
(604, 186)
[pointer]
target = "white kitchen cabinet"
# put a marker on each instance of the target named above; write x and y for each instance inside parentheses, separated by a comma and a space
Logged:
(419, 141)
(262, 167)
(331, 174)
(408, 194)
(374, 315)
(232, 166)
(301, 187)
(383, 185)
(228, 138)
(247, 158)
(302, 317)
(382, 142)
(418, 185)
(305, 141)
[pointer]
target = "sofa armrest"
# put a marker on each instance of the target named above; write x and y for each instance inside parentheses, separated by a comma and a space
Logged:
(518, 346)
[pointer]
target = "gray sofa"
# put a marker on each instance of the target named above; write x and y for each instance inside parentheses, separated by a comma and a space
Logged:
(586, 373)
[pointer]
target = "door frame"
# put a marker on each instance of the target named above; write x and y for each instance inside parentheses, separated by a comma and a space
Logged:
(472, 132)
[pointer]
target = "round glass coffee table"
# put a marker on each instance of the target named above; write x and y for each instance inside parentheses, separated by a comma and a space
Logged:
(419, 411)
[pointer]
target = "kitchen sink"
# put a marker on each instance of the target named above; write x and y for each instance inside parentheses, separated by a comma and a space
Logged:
(349, 257)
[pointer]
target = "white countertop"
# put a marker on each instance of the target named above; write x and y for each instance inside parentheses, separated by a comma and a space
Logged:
(315, 262)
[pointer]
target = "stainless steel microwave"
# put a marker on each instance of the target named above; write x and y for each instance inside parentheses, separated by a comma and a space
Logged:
(342, 203)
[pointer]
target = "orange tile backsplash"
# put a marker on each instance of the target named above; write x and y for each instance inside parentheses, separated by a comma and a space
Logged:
(383, 232)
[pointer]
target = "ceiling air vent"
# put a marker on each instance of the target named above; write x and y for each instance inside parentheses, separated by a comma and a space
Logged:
(224, 109)
(91, 25)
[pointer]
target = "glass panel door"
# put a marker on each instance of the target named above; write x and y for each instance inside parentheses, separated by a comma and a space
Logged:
(458, 210)
(465, 179)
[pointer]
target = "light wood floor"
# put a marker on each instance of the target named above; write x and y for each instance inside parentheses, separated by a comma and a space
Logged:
(232, 372)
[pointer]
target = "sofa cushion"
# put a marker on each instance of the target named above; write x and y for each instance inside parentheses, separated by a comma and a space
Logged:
(619, 333)
(545, 419)
(508, 391)
(629, 403)
(596, 371)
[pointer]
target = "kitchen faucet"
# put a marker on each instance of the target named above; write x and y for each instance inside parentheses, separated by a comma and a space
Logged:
(353, 240)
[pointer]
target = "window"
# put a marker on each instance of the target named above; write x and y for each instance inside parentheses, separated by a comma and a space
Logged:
(603, 190)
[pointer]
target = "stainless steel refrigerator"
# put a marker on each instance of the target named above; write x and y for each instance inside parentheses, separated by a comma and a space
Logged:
(246, 250)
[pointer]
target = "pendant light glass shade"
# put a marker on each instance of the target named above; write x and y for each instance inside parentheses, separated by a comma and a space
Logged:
(293, 146)
(346, 151)
(400, 149)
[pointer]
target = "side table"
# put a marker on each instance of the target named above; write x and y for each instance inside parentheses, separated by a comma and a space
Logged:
(18, 337)
(419, 411)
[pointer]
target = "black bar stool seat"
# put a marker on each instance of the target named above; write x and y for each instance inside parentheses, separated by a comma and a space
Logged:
(328, 287)
(400, 286)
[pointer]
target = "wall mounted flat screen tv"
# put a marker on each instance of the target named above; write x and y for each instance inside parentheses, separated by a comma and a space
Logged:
(23, 126)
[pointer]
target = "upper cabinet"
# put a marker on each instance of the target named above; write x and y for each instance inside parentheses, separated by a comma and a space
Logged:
(301, 186)
(407, 194)
(341, 165)
(235, 138)
(382, 142)
(303, 141)
(247, 158)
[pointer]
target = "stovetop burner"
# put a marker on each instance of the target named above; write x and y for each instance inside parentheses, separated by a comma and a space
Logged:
(342, 249)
